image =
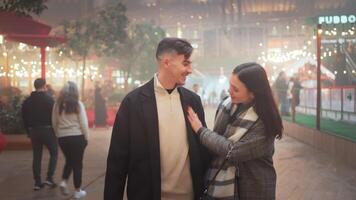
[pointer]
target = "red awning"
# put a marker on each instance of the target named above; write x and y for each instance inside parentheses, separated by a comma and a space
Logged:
(37, 40)
(26, 30)
(10, 23)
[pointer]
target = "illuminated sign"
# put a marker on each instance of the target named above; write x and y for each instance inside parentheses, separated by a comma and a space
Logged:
(343, 19)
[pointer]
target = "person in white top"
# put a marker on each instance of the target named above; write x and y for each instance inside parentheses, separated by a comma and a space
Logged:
(70, 125)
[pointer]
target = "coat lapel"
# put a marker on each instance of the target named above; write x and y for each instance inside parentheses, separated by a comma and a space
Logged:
(150, 117)
(186, 101)
(194, 157)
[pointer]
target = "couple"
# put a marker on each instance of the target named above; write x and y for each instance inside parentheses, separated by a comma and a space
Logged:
(44, 119)
(160, 142)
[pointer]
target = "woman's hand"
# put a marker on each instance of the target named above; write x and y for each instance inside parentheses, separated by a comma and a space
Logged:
(194, 120)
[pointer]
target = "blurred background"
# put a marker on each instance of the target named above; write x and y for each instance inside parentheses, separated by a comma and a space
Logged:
(107, 47)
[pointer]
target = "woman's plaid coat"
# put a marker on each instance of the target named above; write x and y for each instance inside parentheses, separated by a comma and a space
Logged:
(252, 157)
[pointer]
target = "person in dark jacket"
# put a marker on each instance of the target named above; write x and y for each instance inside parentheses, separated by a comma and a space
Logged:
(100, 108)
(36, 114)
(281, 87)
(152, 143)
(246, 126)
(297, 86)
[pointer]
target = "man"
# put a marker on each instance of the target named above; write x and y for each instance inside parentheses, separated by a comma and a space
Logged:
(152, 142)
(281, 86)
(295, 95)
(36, 114)
(196, 88)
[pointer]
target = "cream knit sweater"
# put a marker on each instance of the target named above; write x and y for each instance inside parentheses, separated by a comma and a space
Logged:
(70, 124)
(176, 180)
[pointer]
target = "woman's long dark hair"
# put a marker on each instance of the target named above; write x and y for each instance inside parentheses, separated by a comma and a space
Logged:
(68, 100)
(255, 78)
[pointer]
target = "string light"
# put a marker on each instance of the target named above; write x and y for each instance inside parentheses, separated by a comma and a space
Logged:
(19, 70)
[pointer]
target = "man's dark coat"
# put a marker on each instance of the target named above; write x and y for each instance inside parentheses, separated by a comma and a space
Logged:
(135, 150)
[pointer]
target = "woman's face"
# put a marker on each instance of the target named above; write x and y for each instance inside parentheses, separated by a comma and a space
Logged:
(238, 91)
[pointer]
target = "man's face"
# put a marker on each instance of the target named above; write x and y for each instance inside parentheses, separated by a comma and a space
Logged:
(178, 68)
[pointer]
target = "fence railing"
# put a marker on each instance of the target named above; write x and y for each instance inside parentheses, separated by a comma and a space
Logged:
(338, 100)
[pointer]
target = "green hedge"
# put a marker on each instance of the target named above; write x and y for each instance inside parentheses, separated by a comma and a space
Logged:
(11, 117)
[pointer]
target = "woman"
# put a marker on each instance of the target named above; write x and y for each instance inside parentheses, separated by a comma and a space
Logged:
(70, 124)
(246, 124)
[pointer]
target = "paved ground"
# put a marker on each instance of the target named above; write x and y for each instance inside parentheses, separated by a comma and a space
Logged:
(303, 173)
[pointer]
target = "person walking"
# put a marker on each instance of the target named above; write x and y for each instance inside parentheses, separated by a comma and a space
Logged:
(246, 126)
(70, 124)
(36, 115)
(152, 144)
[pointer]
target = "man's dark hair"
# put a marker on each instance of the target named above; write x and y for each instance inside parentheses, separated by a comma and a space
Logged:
(39, 83)
(180, 46)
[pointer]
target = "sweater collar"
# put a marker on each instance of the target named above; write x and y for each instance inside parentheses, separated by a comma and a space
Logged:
(160, 89)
